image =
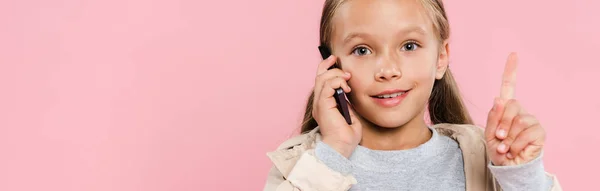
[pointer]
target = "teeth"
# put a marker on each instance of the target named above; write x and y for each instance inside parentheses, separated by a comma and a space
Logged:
(390, 95)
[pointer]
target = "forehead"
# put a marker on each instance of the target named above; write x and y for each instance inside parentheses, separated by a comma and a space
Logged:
(381, 17)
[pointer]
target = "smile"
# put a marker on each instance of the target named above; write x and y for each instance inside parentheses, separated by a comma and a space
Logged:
(390, 95)
(390, 98)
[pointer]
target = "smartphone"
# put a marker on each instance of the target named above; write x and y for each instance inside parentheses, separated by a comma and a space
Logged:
(340, 95)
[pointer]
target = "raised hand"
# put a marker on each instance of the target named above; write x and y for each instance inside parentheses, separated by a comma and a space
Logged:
(513, 136)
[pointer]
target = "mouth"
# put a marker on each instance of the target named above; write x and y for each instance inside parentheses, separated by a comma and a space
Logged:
(390, 98)
(390, 94)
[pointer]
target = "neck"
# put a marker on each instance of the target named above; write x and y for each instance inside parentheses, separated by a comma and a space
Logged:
(408, 136)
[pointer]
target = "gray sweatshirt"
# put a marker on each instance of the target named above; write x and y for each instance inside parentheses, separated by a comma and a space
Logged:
(435, 165)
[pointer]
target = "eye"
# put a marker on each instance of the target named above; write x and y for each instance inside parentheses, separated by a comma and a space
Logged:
(410, 46)
(361, 51)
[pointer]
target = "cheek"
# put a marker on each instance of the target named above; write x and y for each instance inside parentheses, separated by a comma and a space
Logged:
(360, 75)
(422, 72)
(359, 81)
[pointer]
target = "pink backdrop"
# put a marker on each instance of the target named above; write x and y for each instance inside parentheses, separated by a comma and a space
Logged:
(127, 95)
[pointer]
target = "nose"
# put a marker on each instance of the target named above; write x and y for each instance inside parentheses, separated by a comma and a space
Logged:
(388, 71)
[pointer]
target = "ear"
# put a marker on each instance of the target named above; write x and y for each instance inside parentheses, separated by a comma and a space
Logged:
(442, 64)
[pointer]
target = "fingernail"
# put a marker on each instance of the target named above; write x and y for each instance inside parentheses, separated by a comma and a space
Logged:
(501, 147)
(501, 133)
(330, 57)
(348, 74)
(509, 155)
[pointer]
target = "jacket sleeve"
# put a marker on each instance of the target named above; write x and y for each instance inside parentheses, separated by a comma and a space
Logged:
(308, 174)
(527, 176)
(276, 182)
(555, 184)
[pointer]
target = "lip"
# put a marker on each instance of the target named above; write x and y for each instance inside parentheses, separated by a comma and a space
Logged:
(389, 92)
(390, 102)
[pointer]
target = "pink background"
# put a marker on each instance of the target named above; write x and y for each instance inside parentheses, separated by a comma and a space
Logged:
(127, 95)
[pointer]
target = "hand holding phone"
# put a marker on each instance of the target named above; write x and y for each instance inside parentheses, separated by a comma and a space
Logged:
(340, 96)
(340, 127)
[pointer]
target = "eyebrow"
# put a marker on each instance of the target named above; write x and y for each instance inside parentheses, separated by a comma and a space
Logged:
(351, 36)
(413, 29)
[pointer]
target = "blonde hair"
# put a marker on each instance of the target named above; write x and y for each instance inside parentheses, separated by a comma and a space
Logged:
(445, 103)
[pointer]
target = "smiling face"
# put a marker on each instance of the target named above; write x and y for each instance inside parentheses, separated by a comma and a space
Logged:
(393, 52)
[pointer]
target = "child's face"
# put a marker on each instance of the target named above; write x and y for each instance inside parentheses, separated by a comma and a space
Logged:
(388, 45)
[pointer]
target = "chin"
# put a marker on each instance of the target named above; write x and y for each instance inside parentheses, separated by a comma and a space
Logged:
(388, 120)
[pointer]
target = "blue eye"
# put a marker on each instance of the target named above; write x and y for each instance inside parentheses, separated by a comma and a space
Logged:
(361, 51)
(411, 46)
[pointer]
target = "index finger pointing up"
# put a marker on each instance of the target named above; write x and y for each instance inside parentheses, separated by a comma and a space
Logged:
(509, 78)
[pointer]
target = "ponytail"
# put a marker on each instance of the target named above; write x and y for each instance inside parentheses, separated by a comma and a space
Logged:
(445, 102)
(309, 123)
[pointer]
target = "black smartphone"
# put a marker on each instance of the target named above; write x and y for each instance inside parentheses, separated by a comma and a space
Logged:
(340, 95)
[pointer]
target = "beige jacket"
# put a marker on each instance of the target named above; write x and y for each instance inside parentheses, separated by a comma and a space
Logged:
(295, 166)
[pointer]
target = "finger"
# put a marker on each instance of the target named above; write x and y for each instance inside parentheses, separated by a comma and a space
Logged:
(320, 80)
(326, 101)
(519, 124)
(328, 75)
(493, 120)
(336, 83)
(534, 135)
(326, 64)
(330, 86)
(509, 78)
(512, 109)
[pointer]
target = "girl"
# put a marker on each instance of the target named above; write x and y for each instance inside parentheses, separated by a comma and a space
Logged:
(394, 54)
